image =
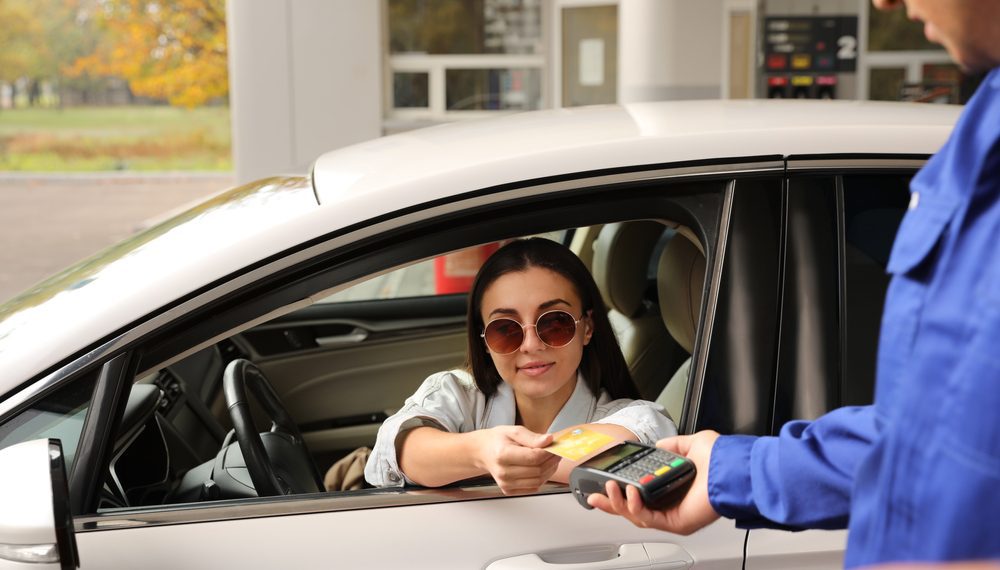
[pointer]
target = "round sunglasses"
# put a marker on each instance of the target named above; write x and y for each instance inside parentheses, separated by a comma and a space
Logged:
(554, 328)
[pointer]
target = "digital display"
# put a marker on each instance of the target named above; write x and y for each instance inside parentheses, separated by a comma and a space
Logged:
(613, 455)
(811, 43)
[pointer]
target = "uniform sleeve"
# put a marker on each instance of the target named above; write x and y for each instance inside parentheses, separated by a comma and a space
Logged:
(647, 420)
(446, 400)
(801, 478)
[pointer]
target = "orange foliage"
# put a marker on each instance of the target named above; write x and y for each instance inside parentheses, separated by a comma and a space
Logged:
(166, 49)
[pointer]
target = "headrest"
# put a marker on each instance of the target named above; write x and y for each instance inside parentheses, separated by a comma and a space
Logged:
(680, 277)
(621, 263)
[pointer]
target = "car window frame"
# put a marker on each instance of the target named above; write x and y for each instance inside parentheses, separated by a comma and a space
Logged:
(372, 498)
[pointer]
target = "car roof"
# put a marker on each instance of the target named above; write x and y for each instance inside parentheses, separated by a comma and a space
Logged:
(103, 295)
(438, 162)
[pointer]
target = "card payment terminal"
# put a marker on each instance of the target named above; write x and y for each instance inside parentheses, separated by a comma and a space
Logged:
(654, 472)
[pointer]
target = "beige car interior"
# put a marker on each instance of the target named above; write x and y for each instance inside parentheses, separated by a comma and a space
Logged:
(622, 255)
(359, 379)
(680, 279)
(655, 324)
(656, 334)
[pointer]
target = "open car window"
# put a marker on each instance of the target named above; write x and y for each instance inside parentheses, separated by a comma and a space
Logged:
(343, 364)
(339, 391)
(445, 274)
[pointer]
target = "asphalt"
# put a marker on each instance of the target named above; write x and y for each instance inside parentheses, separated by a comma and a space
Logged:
(48, 222)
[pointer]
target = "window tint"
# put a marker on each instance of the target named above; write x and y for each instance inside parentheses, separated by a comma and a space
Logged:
(58, 416)
(873, 208)
(737, 391)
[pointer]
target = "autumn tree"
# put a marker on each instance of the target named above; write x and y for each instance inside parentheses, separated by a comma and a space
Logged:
(63, 30)
(19, 36)
(165, 49)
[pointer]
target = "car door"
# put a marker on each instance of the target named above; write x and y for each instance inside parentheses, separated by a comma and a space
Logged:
(455, 527)
(738, 223)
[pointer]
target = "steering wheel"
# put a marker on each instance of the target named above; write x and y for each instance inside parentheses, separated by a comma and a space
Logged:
(277, 460)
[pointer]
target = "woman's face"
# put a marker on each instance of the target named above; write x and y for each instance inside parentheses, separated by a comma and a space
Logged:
(535, 370)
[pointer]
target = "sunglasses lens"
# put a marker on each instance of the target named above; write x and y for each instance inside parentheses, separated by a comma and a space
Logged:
(503, 336)
(556, 328)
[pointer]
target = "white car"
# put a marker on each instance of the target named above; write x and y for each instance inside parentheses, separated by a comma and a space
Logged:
(741, 246)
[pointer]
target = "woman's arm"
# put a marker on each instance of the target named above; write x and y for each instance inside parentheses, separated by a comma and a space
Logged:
(512, 455)
(647, 420)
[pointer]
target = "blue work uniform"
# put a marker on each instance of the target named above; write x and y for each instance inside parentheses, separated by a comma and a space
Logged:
(916, 476)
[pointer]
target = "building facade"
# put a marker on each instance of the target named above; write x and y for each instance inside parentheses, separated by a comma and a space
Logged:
(308, 76)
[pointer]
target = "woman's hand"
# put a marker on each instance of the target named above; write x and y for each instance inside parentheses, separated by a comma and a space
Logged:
(690, 514)
(515, 457)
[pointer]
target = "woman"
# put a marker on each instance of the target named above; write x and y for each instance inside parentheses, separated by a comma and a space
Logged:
(543, 359)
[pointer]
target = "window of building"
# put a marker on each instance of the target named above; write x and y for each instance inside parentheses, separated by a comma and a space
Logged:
(893, 31)
(886, 83)
(903, 65)
(452, 59)
(589, 55)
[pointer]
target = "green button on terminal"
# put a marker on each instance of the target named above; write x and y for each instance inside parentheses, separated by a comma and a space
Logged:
(676, 462)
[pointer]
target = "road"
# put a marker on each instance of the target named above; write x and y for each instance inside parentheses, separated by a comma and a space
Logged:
(49, 222)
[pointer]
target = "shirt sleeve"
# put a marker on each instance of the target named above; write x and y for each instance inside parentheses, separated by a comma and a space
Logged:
(801, 478)
(446, 400)
(647, 420)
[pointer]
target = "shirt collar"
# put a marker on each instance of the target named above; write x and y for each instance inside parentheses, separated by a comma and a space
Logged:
(503, 407)
(578, 409)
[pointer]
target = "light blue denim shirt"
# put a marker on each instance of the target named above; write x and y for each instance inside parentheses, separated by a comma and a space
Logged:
(452, 402)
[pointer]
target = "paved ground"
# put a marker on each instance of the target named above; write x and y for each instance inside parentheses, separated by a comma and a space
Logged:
(50, 222)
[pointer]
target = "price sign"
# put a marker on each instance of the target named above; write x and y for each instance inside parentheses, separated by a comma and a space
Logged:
(811, 43)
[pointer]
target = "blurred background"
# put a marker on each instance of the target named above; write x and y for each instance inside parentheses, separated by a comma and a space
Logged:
(115, 113)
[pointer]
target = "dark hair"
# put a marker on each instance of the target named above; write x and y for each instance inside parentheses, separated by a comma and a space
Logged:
(602, 363)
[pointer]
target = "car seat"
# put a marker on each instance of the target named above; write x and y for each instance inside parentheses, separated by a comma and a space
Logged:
(621, 267)
(680, 278)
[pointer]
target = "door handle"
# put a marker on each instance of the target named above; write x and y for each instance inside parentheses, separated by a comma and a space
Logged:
(357, 335)
(651, 555)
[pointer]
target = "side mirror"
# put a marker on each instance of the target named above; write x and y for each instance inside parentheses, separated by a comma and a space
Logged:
(36, 527)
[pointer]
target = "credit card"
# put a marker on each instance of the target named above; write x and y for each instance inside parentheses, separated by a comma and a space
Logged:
(579, 443)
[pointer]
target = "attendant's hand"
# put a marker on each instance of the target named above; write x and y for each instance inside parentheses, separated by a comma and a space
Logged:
(691, 513)
(515, 457)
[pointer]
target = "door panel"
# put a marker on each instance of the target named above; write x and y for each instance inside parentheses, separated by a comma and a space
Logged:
(332, 392)
(341, 368)
(462, 534)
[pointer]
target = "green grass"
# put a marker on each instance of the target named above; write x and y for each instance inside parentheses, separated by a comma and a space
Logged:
(115, 138)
